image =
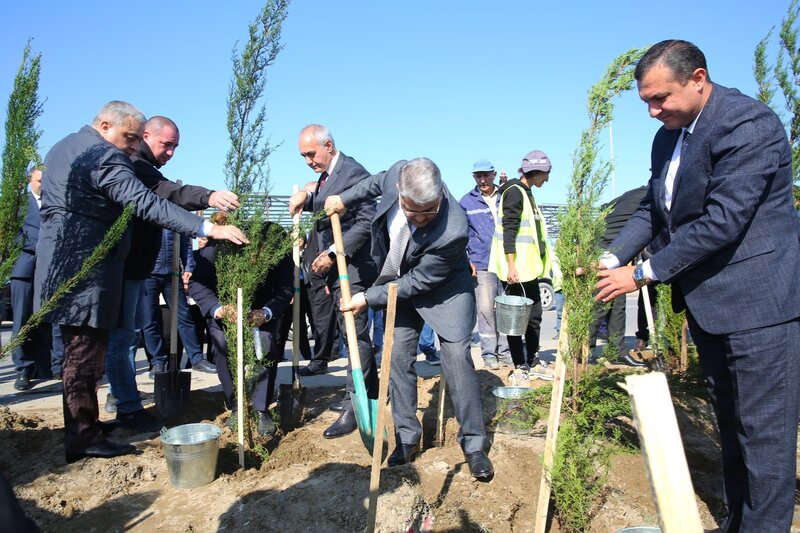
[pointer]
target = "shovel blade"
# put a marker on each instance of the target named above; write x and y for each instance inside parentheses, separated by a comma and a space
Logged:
(290, 407)
(171, 392)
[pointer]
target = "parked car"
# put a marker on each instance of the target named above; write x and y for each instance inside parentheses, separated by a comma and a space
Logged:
(547, 294)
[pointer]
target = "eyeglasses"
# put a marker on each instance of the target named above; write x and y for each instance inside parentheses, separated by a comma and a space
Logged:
(412, 214)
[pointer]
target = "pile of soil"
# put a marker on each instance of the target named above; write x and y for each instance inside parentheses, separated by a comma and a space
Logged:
(310, 484)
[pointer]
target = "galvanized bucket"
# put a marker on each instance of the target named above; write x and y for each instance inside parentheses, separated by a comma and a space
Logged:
(191, 451)
(640, 529)
(510, 416)
(512, 313)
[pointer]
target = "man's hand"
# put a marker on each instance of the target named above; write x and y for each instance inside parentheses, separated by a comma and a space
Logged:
(226, 313)
(322, 263)
(185, 278)
(333, 204)
(224, 200)
(228, 233)
(513, 275)
(580, 271)
(297, 201)
(615, 282)
(474, 270)
(358, 304)
(256, 318)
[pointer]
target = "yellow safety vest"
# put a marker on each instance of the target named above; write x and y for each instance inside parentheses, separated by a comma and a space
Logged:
(530, 264)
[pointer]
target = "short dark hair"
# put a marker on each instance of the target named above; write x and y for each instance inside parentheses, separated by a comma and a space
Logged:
(682, 58)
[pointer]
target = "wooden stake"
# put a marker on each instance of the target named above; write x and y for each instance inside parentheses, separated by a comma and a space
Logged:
(240, 375)
(667, 471)
(439, 439)
(685, 346)
(552, 429)
(383, 396)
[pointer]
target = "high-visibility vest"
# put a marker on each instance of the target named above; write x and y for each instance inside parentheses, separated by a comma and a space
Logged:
(528, 259)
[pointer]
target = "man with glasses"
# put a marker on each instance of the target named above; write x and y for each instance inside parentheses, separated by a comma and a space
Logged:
(419, 241)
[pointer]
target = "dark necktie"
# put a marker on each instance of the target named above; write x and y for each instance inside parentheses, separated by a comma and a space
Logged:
(397, 249)
(322, 179)
(686, 135)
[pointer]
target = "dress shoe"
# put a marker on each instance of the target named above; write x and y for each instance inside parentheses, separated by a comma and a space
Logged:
(344, 425)
(402, 454)
(103, 449)
(107, 427)
(314, 368)
(479, 465)
(23, 381)
(204, 366)
(139, 420)
(630, 361)
(264, 424)
(336, 407)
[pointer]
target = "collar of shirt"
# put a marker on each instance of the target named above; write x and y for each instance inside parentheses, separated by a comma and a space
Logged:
(38, 198)
(395, 219)
(335, 159)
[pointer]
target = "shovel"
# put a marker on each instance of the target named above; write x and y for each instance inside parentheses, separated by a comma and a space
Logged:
(366, 409)
(290, 397)
(172, 386)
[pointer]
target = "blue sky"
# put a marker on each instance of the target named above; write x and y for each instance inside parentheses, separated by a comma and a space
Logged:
(453, 81)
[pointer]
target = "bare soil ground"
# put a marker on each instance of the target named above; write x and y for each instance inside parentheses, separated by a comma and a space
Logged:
(312, 484)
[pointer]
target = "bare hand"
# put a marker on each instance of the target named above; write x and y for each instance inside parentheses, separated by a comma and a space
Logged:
(580, 271)
(256, 318)
(224, 200)
(185, 278)
(297, 201)
(358, 304)
(228, 233)
(226, 313)
(474, 270)
(333, 204)
(513, 275)
(615, 282)
(322, 263)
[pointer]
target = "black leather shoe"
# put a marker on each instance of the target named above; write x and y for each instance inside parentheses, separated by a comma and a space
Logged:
(265, 425)
(141, 420)
(103, 449)
(630, 361)
(344, 425)
(336, 407)
(314, 368)
(479, 465)
(23, 381)
(107, 427)
(402, 454)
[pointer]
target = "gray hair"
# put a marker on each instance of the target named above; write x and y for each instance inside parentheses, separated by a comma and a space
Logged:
(116, 112)
(420, 181)
(320, 133)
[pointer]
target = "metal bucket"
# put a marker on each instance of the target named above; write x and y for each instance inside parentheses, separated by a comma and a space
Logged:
(512, 313)
(510, 416)
(191, 451)
(640, 529)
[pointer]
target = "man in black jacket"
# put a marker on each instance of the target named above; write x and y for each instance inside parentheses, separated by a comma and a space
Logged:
(270, 302)
(160, 140)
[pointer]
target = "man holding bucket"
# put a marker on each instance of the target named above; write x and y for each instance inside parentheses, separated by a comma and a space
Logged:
(520, 255)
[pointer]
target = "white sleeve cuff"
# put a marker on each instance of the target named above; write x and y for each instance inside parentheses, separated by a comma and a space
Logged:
(648, 271)
(609, 260)
(205, 229)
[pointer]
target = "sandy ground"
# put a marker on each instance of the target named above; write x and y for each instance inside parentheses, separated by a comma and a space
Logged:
(310, 483)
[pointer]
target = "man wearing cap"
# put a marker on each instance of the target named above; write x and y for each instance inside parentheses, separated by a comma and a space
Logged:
(480, 204)
(520, 255)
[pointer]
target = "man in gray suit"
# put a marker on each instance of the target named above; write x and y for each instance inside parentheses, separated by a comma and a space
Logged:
(88, 178)
(719, 218)
(338, 173)
(419, 240)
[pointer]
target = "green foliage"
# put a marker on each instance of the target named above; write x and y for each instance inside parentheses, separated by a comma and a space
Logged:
(582, 224)
(669, 329)
(524, 412)
(22, 137)
(110, 240)
(786, 72)
(244, 164)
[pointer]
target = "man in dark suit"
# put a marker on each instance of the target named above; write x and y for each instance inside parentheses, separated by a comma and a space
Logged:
(88, 178)
(32, 359)
(338, 173)
(719, 210)
(419, 239)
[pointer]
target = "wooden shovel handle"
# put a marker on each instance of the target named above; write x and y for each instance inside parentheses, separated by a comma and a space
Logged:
(296, 301)
(344, 285)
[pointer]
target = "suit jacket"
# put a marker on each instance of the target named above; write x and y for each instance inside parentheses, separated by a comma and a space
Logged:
(24, 267)
(85, 184)
(730, 241)
(435, 277)
(355, 223)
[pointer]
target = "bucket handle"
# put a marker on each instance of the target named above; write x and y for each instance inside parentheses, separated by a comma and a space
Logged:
(520, 284)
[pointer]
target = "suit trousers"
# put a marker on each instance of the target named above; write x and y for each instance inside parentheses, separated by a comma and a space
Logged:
(615, 315)
(753, 379)
(459, 371)
(264, 382)
(368, 365)
(33, 357)
(82, 372)
(530, 289)
(323, 317)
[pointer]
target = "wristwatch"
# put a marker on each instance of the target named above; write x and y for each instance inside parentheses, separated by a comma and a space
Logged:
(639, 278)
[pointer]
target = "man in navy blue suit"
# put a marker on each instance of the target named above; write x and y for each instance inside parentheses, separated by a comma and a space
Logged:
(719, 218)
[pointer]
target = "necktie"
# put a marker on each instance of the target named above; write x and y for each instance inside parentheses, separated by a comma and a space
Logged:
(397, 249)
(322, 179)
(685, 140)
